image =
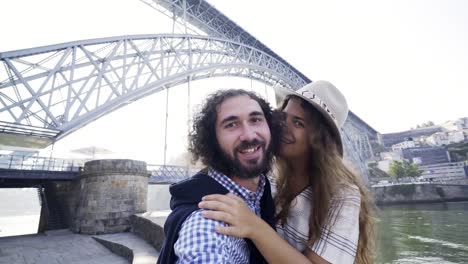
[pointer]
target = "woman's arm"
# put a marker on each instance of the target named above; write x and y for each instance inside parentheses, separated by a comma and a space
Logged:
(244, 223)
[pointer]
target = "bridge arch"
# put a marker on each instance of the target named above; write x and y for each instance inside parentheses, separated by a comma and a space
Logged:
(66, 86)
(51, 91)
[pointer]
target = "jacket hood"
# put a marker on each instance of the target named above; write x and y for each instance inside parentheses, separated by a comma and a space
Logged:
(191, 191)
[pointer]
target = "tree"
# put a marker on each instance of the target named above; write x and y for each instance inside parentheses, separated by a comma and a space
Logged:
(425, 124)
(412, 169)
(396, 170)
(400, 169)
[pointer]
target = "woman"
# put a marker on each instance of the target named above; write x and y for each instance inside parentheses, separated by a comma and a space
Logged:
(324, 213)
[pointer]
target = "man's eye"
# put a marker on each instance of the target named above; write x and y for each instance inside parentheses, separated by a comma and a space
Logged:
(229, 125)
(257, 119)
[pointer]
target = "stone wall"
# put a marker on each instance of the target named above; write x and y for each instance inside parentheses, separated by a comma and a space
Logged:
(149, 230)
(419, 193)
(110, 191)
(159, 197)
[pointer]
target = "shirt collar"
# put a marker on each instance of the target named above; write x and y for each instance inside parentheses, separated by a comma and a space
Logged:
(235, 188)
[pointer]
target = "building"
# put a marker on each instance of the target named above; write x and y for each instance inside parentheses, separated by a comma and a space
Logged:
(455, 125)
(392, 138)
(465, 134)
(446, 138)
(427, 155)
(391, 155)
(438, 139)
(408, 143)
(387, 158)
(444, 171)
(384, 165)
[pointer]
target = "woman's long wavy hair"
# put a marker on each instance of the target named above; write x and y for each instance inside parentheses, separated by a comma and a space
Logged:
(328, 175)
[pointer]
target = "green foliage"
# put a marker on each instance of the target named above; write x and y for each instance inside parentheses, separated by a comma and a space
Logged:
(412, 169)
(399, 169)
(396, 170)
(426, 124)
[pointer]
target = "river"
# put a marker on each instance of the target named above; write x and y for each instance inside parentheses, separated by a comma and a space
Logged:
(425, 233)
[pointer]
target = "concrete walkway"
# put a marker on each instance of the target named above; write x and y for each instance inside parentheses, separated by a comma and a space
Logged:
(130, 246)
(55, 247)
(157, 217)
(65, 247)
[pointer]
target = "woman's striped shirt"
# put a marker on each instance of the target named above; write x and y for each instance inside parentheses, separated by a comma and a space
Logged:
(338, 243)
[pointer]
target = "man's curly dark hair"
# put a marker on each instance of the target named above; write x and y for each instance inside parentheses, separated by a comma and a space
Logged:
(203, 143)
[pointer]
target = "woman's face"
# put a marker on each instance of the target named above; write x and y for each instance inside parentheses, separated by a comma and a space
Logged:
(295, 142)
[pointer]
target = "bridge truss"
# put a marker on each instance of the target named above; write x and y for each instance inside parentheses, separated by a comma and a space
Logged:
(64, 87)
(49, 92)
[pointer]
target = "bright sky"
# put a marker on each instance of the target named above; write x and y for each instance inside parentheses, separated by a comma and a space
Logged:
(399, 63)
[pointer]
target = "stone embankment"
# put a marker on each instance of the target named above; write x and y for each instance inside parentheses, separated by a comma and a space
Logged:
(143, 243)
(419, 193)
(140, 246)
(106, 206)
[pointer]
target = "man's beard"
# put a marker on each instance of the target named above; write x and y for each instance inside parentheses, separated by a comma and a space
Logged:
(236, 168)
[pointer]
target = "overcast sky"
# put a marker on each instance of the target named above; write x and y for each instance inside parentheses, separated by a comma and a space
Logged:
(399, 63)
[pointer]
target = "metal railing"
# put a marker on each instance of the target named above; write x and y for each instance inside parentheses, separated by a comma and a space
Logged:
(169, 173)
(159, 173)
(15, 162)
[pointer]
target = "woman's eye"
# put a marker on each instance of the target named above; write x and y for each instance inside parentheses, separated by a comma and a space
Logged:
(298, 123)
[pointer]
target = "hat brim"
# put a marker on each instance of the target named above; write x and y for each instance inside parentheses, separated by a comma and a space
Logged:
(282, 93)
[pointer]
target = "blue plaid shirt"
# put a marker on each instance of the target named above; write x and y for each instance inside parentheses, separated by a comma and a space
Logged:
(199, 243)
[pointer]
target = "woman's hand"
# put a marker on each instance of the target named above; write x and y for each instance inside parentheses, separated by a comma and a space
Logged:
(233, 211)
(244, 223)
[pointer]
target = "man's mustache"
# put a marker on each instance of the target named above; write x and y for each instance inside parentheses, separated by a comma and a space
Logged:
(249, 144)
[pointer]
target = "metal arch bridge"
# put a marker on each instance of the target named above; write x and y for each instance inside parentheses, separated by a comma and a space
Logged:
(48, 92)
(57, 89)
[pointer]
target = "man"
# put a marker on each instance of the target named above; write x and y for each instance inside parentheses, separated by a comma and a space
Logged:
(234, 135)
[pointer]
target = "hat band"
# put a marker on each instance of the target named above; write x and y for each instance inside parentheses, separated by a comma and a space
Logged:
(311, 96)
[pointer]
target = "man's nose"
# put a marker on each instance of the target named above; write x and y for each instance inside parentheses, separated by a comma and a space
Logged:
(248, 133)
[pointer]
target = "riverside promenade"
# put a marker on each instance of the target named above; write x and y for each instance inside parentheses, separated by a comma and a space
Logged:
(416, 193)
(57, 247)
(66, 247)
(99, 217)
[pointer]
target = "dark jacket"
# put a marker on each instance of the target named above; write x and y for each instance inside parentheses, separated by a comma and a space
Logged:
(185, 198)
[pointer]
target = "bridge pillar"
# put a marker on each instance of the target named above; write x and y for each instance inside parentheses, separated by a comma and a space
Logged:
(110, 191)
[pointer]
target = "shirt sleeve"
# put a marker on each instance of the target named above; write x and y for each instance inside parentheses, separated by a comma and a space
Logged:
(199, 243)
(338, 243)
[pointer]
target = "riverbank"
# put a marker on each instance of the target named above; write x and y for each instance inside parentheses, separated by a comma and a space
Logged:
(57, 247)
(140, 246)
(419, 193)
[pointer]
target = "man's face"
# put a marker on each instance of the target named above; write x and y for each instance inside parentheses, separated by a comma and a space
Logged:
(243, 135)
